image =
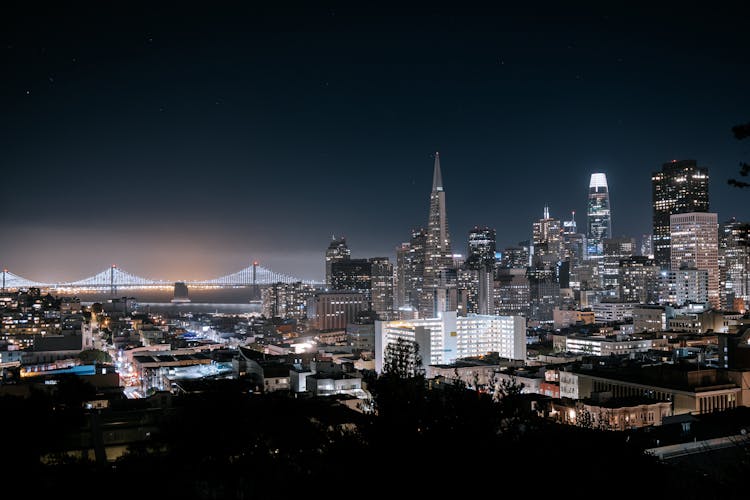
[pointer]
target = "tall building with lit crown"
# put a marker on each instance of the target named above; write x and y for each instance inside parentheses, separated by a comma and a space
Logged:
(599, 217)
(647, 247)
(573, 243)
(681, 187)
(543, 273)
(337, 251)
(694, 241)
(482, 247)
(438, 255)
(410, 259)
(448, 337)
(399, 275)
(547, 238)
(734, 264)
(382, 287)
(480, 268)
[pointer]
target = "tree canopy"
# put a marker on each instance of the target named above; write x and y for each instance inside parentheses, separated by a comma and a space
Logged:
(741, 132)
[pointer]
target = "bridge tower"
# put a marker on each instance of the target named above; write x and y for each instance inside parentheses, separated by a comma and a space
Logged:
(5, 271)
(254, 288)
(112, 285)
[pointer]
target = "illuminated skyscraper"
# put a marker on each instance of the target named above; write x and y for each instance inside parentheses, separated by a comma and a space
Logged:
(734, 264)
(638, 280)
(481, 248)
(286, 300)
(352, 274)
(647, 247)
(679, 188)
(695, 245)
(337, 251)
(547, 238)
(400, 275)
(410, 273)
(615, 250)
(438, 255)
(382, 287)
(544, 272)
(600, 221)
(372, 277)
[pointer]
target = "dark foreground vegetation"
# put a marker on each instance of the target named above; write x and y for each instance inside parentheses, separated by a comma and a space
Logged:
(425, 442)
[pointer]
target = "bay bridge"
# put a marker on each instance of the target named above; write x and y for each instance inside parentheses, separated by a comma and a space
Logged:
(114, 278)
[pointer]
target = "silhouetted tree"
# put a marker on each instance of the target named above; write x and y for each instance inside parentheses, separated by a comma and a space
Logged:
(94, 356)
(741, 132)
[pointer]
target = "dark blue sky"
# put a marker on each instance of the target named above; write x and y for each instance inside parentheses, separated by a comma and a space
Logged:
(184, 143)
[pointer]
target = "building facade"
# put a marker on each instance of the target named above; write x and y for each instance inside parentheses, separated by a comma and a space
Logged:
(685, 286)
(511, 292)
(382, 287)
(639, 280)
(334, 310)
(694, 241)
(615, 250)
(448, 337)
(681, 187)
(734, 264)
(286, 300)
(482, 246)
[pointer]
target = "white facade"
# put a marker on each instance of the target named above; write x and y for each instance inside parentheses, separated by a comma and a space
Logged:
(695, 244)
(569, 385)
(448, 337)
(604, 347)
(684, 286)
(607, 312)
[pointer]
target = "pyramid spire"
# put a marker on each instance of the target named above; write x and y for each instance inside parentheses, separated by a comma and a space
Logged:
(437, 177)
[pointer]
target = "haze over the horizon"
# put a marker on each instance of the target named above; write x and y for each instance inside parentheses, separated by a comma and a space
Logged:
(182, 144)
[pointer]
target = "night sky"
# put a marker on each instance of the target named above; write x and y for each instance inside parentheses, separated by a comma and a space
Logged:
(183, 143)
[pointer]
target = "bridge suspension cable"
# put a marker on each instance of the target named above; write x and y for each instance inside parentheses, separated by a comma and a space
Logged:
(251, 275)
(114, 277)
(10, 280)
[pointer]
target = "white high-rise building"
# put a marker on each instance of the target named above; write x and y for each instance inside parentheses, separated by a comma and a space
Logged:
(448, 337)
(695, 245)
(599, 217)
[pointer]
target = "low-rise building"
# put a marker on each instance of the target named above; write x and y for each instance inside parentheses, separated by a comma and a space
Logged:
(564, 318)
(604, 346)
(472, 372)
(329, 384)
(617, 414)
(612, 312)
(649, 318)
(689, 390)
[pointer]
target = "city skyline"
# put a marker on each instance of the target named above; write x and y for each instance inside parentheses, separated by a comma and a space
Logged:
(185, 149)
